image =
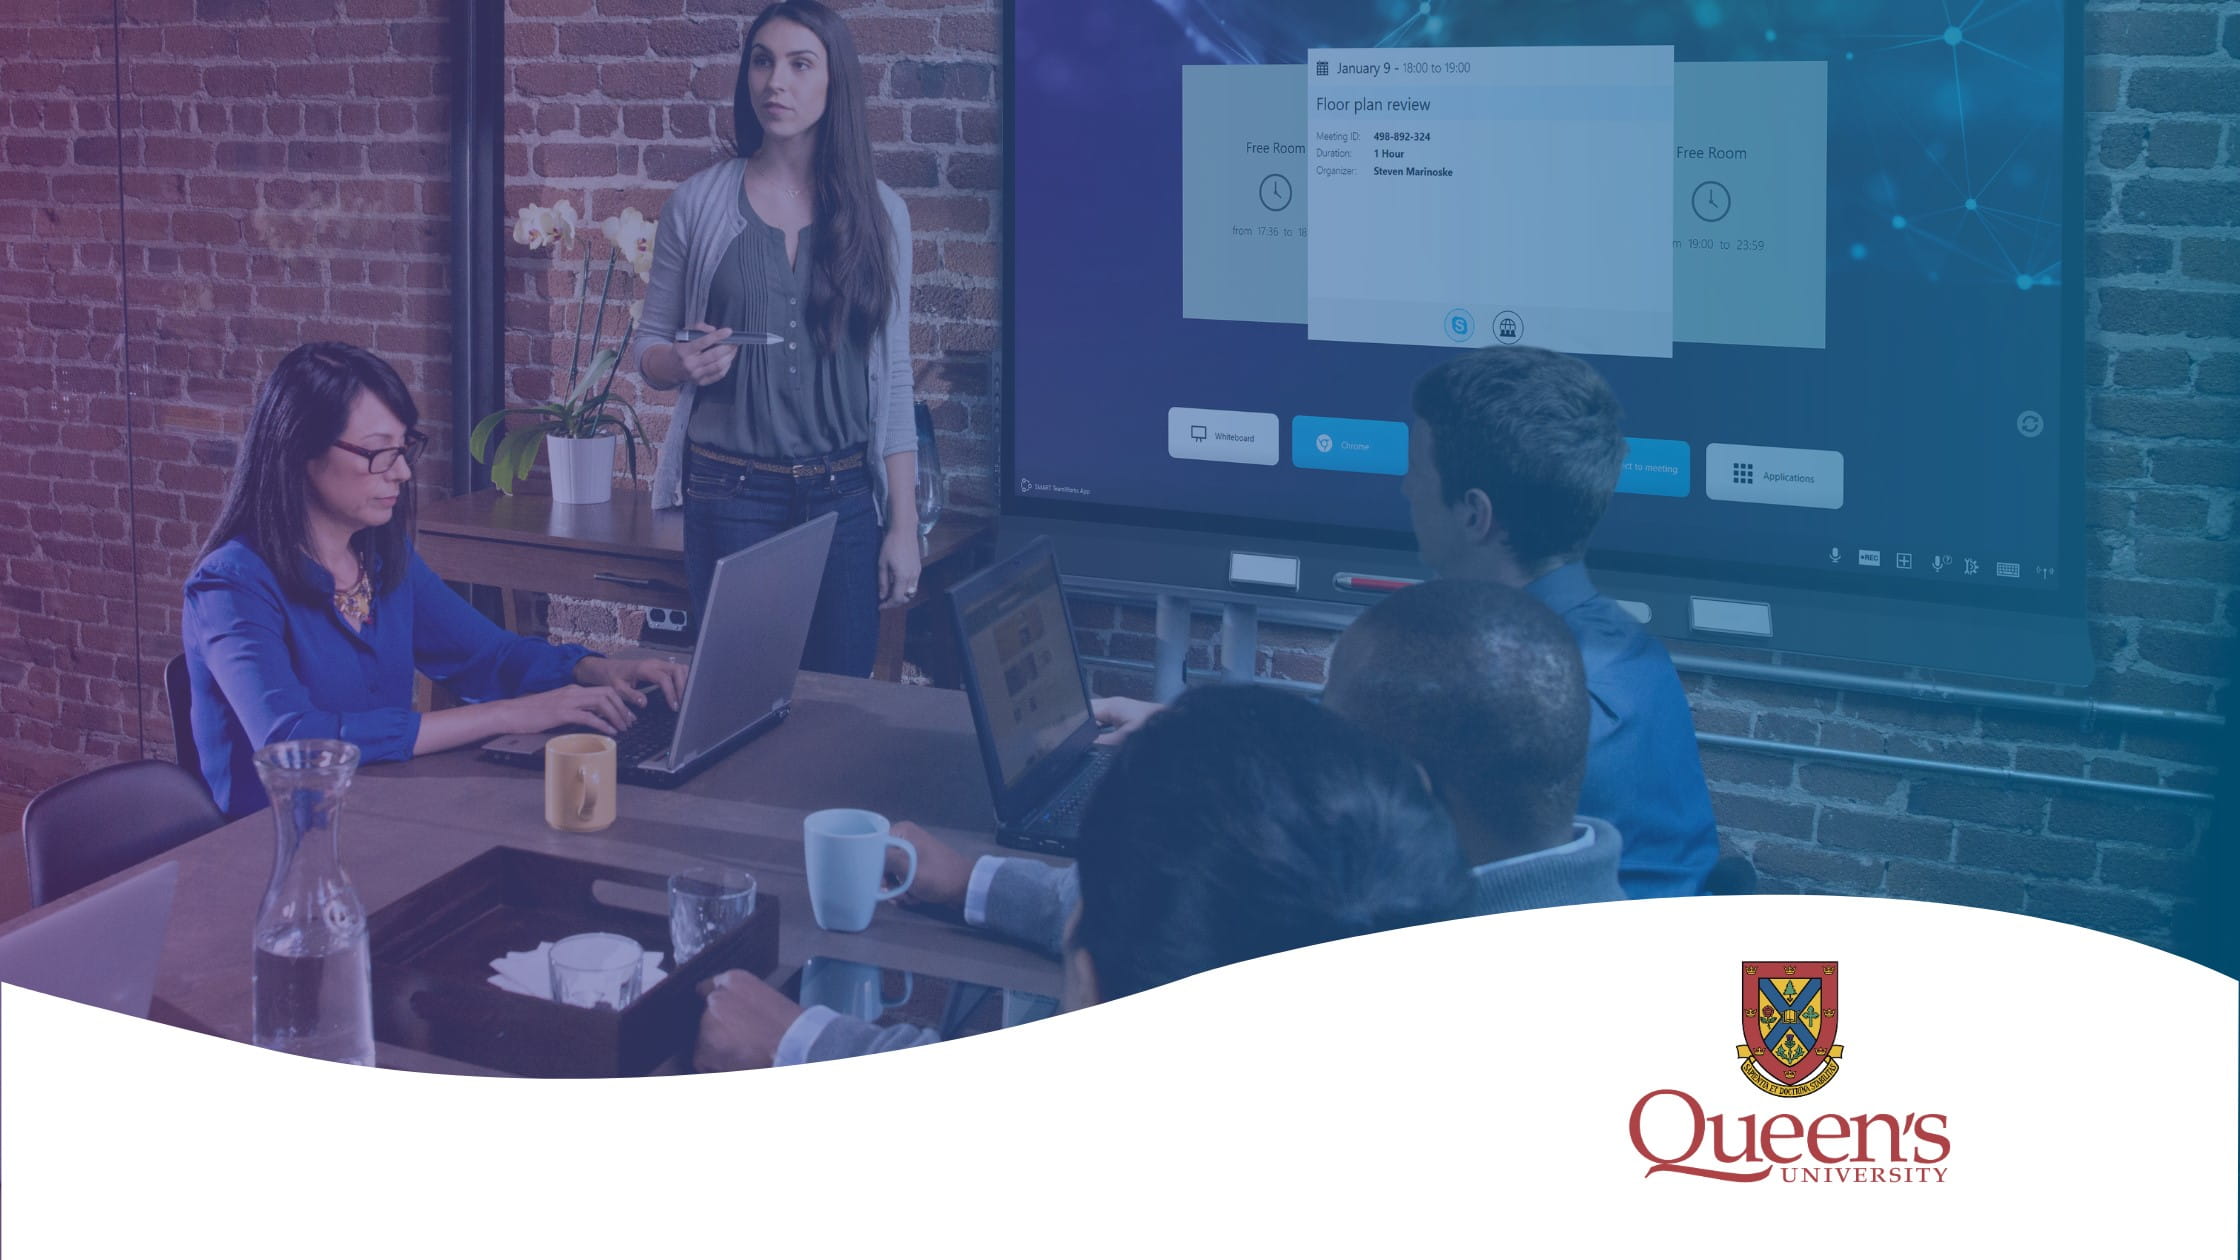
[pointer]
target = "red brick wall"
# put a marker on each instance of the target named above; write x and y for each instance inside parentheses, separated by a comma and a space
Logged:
(284, 174)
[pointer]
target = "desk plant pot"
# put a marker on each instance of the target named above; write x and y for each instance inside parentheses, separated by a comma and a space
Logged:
(582, 468)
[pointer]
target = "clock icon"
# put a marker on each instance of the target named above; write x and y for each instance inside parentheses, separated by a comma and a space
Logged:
(1711, 201)
(1275, 192)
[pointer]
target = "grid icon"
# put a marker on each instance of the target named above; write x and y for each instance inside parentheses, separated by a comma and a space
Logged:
(1745, 474)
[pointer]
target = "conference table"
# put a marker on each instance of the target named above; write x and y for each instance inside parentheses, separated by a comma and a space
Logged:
(907, 752)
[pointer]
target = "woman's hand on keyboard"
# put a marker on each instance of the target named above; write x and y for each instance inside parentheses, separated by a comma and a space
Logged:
(608, 710)
(631, 673)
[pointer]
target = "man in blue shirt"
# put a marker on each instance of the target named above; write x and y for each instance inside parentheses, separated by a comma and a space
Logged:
(1512, 458)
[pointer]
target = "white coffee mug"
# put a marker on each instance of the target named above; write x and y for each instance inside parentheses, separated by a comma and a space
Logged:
(850, 988)
(845, 851)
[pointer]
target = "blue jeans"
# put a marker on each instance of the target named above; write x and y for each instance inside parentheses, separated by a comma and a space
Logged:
(727, 508)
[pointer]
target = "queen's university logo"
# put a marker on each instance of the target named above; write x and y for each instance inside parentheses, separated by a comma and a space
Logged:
(1789, 1027)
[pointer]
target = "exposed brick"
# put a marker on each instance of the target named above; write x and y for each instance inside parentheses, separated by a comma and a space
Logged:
(2028, 855)
(2210, 258)
(2144, 822)
(1795, 860)
(1737, 812)
(1937, 881)
(1970, 801)
(2122, 913)
(2184, 144)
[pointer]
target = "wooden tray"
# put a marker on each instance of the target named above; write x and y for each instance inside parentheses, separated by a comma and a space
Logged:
(431, 967)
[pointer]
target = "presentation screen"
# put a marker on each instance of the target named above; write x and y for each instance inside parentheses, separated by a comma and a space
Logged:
(1825, 253)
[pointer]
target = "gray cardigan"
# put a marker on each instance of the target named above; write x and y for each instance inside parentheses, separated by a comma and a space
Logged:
(697, 225)
(1029, 902)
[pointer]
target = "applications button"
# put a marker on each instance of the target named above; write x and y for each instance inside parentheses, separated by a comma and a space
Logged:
(1655, 466)
(1780, 475)
(1355, 446)
(1223, 437)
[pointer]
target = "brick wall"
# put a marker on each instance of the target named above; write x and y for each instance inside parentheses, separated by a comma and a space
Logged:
(2163, 455)
(244, 118)
(284, 167)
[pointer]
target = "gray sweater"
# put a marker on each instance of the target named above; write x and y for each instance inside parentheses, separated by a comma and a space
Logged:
(1029, 902)
(697, 226)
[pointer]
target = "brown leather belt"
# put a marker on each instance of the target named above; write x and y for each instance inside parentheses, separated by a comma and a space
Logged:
(812, 468)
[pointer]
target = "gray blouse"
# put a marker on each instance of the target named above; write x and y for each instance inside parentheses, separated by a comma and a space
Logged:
(786, 401)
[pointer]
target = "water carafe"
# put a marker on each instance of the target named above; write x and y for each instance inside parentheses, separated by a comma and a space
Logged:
(312, 983)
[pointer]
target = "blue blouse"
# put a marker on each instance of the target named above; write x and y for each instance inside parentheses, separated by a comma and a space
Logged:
(264, 668)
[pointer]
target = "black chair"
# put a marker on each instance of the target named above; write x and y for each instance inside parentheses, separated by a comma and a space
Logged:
(86, 829)
(178, 696)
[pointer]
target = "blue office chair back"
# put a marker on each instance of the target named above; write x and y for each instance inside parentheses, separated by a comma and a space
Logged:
(86, 829)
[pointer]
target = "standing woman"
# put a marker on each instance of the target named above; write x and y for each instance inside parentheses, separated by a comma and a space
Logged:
(797, 239)
(309, 612)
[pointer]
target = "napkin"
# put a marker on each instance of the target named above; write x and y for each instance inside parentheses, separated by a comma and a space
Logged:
(529, 971)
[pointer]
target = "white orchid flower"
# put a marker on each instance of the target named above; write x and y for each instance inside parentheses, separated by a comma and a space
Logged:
(536, 227)
(564, 222)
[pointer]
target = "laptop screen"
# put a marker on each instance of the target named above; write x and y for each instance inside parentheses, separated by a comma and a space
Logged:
(1029, 678)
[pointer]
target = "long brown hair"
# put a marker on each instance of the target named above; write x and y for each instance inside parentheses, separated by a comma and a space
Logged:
(852, 276)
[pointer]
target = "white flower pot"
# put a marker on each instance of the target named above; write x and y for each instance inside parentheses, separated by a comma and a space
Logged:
(582, 468)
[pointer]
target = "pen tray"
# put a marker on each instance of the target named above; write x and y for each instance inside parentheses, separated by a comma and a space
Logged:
(431, 967)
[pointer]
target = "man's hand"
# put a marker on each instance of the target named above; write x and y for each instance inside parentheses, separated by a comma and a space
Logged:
(629, 674)
(744, 1021)
(1125, 716)
(942, 871)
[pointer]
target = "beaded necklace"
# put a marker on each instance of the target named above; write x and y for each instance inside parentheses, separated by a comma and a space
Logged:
(356, 603)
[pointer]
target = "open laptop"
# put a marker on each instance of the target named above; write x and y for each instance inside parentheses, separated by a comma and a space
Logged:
(741, 684)
(1029, 701)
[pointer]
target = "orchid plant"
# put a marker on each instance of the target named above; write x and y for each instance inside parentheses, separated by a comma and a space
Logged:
(590, 406)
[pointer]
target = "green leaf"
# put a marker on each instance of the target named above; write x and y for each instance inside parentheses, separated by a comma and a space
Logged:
(485, 430)
(515, 456)
(600, 362)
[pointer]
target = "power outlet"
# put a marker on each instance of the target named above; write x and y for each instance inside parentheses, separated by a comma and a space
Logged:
(668, 628)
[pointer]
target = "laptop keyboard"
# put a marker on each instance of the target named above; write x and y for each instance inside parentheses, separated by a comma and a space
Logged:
(1063, 815)
(650, 735)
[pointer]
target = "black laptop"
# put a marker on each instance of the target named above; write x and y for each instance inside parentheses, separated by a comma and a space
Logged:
(1029, 701)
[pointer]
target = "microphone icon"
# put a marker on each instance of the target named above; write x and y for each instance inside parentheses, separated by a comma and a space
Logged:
(1835, 555)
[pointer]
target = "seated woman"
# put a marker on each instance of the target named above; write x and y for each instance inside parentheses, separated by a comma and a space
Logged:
(1240, 822)
(309, 612)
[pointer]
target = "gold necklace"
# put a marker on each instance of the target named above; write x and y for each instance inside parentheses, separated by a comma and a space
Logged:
(356, 603)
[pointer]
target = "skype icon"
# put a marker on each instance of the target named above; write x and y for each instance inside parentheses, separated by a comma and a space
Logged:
(1459, 325)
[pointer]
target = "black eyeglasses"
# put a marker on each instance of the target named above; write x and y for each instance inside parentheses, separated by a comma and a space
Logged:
(383, 460)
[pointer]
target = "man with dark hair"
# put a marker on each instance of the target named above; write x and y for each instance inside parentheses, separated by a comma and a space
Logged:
(1241, 822)
(1483, 686)
(1512, 458)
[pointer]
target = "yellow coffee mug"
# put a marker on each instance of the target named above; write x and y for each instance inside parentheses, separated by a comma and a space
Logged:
(579, 782)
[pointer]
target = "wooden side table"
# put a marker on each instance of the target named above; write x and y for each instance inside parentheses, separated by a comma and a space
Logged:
(629, 551)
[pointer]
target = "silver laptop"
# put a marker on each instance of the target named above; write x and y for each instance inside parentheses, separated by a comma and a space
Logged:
(102, 951)
(741, 684)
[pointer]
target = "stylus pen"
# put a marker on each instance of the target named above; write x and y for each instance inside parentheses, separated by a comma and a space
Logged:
(735, 339)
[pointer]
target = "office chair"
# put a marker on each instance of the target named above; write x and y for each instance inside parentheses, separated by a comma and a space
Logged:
(180, 700)
(86, 829)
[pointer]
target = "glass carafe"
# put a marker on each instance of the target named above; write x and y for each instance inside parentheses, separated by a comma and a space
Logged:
(312, 984)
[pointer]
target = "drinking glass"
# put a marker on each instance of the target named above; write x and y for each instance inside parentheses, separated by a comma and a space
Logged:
(597, 969)
(704, 903)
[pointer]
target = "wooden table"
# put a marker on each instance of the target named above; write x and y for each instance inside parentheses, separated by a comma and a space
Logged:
(631, 552)
(906, 752)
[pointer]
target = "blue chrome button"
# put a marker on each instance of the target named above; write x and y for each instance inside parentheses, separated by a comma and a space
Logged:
(1654, 466)
(1355, 446)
